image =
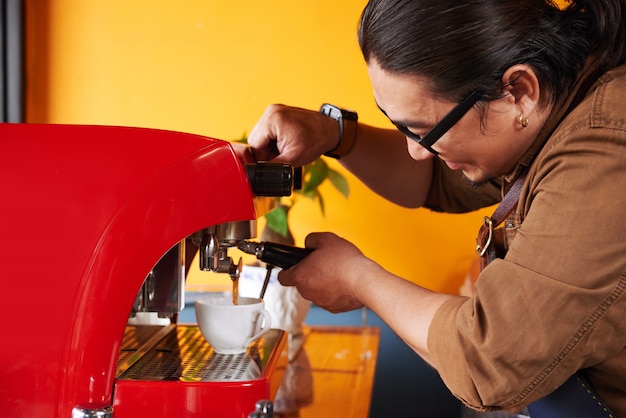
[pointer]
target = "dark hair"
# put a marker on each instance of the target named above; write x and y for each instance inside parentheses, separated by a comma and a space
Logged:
(460, 46)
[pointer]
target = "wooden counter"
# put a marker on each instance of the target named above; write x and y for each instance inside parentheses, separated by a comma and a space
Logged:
(332, 375)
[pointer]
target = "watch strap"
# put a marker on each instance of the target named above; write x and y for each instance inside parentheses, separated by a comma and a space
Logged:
(348, 123)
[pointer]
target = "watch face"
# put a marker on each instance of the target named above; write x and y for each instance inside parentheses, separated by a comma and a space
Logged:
(330, 110)
(337, 112)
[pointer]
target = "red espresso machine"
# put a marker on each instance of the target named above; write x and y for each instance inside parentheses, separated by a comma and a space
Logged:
(95, 224)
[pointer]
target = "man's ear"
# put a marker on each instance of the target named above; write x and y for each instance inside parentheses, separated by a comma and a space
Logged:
(521, 83)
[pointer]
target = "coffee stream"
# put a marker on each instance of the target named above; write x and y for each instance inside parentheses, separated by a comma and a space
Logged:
(236, 290)
(234, 276)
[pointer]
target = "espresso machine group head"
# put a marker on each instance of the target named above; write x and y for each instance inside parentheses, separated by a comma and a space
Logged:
(94, 224)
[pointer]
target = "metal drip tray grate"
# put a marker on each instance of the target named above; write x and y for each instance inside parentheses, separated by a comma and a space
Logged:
(182, 354)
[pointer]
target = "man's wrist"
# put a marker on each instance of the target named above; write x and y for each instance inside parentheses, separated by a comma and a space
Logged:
(348, 123)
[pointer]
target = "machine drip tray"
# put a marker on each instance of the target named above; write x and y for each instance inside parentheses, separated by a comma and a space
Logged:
(180, 353)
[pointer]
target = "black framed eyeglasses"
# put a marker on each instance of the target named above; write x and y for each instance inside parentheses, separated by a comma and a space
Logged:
(443, 126)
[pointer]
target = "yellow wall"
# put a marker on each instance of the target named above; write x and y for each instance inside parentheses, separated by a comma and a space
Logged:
(211, 67)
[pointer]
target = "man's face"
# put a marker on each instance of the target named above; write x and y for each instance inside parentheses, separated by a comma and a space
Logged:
(480, 151)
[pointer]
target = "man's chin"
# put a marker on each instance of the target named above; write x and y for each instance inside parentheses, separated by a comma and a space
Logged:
(476, 179)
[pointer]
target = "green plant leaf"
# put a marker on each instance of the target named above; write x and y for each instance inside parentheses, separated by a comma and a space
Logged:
(314, 175)
(243, 139)
(308, 194)
(277, 220)
(320, 200)
(339, 181)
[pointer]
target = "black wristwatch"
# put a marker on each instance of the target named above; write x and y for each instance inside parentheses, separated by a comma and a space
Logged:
(348, 122)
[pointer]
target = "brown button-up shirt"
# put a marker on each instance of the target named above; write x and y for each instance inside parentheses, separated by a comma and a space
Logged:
(556, 303)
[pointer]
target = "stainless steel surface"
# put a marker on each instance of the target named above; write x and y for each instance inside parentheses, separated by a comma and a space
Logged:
(92, 411)
(163, 291)
(232, 232)
(211, 253)
(215, 241)
(184, 355)
(263, 409)
(251, 247)
(138, 340)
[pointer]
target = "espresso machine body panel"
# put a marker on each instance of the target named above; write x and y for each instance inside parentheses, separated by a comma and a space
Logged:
(190, 400)
(86, 213)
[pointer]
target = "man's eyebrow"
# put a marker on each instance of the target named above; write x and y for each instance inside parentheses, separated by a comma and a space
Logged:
(412, 124)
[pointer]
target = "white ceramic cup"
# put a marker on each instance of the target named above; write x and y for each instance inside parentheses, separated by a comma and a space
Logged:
(231, 328)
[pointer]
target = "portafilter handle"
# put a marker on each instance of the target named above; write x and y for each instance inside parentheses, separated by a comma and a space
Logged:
(280, 255)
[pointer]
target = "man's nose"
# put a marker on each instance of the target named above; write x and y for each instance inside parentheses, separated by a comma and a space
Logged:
(418, 152)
